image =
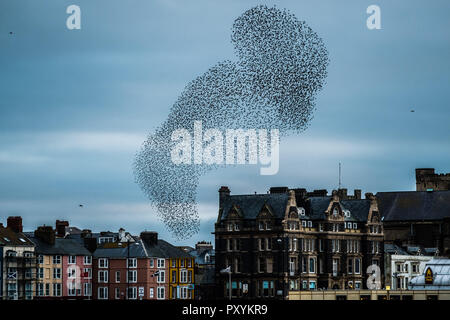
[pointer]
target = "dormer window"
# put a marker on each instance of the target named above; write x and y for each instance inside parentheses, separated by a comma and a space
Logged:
(355, 225)
(309, 224)
(304, 223)
(236, 227)
(261, 225)
(267, 225)
(230, 227)
(335, 211)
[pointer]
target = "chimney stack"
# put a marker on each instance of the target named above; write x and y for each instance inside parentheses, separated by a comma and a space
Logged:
(15, 223)
(61, 228)
(223, 193)
(46, 234)
(86, 233)
(357, 194)
(149, 237)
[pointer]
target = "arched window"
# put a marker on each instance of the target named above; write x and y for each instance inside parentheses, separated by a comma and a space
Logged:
(207, 258)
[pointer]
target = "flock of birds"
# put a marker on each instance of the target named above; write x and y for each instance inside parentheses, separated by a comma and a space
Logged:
(281, 65)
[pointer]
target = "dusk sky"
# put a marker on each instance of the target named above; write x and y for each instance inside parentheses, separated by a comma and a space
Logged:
(76, 105)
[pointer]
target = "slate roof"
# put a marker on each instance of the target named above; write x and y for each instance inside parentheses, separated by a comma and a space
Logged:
(441, 276)
(250, 205)
(140, 249)
(10, 238)
(62, 246)
(394, 249)
(359, 208)
(414, 205)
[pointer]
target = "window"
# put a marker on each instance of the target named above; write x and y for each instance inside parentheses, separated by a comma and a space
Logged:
(132, 263)
(312, 265)
(87, 273)
(320, 227)
(47, 289)
(103, 276)
(72, 259)
(230, 227)
(304, 284)
(357, 285)
(335, 267)
(415, 267)
(40, 273)
(261, 264)
(71, 272)
(183, 276)
(161, 293)
(269, 266)
(236, 244)
(182, 263)
(349, 266)
(304, 223)
(269, 244)
(57, 289)
(312, 285)
(87, 289)
(132, 276)
(117, 276)
(117, 293)
(132, 293)
(40, 289)
(103, 263)
(152, 292)
(40, 259)
(87, 260)
(103, 293)
(56, 259)
(161, 263)
(309, 224)
(174, 276)
(261, 225)
(152, 263)
(335, 211)
(161, 276)
(304, 265)
(184, 292)
(355, 225)
(56, 273)
(268, 227)
(357, 266)
(236, 227)
(321, 245)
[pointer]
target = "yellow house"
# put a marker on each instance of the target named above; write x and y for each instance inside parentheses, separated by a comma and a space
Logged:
(181, 277)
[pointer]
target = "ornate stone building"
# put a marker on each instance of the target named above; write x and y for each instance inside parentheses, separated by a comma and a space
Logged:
(296, 240)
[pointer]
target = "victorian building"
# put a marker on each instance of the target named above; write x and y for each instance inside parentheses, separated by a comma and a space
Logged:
(296, 240)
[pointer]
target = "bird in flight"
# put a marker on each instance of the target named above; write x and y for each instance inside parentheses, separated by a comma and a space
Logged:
(80, 205)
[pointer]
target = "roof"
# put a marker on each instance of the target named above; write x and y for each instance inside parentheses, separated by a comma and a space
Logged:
(394, 249)
(62, 246)
(359, 208)
(250, 205)
(199, 256)
(140, 249)
(9, 237)
(414, 205)
(441, 276)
